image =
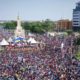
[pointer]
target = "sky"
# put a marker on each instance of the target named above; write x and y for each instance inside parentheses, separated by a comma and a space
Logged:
(37, 9)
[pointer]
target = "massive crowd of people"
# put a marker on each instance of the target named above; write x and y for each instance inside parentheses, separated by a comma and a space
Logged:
(53, 61)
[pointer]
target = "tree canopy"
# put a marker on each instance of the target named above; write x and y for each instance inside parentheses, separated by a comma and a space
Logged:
(34, 26)
(10, 25)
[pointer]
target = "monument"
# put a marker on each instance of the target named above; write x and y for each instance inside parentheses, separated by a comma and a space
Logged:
(19, 32)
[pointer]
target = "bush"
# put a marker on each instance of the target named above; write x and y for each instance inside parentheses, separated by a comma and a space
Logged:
(69, 32)
(78, 55)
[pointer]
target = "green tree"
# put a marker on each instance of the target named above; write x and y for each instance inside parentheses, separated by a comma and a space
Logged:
(10, 25)
(48, 25)
(35, 26)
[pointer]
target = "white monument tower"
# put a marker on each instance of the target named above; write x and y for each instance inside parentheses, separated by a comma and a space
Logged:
(19, 32)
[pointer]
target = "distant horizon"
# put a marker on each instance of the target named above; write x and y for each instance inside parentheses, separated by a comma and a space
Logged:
(36, 20)
(37, 10)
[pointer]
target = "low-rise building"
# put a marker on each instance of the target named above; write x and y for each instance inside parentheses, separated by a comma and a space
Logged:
(63, 25)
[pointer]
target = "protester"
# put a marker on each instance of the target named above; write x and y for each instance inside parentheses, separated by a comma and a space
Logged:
(48, 62)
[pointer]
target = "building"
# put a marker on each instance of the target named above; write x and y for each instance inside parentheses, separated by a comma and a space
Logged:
(19, 32)
(76, 17)
(63, 24)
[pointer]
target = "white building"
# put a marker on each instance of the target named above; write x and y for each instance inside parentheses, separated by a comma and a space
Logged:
(19, 32)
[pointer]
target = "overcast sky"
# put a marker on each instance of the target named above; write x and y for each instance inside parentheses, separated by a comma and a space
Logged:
(37, 9)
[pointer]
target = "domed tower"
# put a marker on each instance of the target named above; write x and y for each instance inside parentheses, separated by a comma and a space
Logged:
(19, 32)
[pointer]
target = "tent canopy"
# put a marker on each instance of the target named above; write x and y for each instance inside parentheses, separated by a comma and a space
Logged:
(31, 40)
(10, 40)
(4, 43)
